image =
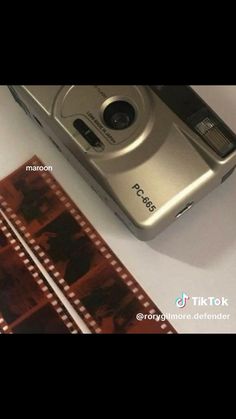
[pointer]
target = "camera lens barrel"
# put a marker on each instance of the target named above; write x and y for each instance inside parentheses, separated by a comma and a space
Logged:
(119, 115)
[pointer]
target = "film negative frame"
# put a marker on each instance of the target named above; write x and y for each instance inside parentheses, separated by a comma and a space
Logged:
(14, 244)
(119, 269)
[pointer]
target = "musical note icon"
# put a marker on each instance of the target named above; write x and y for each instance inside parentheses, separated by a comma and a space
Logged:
(182, 301)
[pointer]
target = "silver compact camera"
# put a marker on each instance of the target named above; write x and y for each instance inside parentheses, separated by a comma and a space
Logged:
(150, 152)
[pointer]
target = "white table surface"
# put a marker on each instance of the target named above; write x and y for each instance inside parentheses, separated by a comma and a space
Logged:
(196, 254)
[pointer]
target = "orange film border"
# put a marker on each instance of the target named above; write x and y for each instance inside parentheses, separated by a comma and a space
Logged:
(27, 302)
(106, 296)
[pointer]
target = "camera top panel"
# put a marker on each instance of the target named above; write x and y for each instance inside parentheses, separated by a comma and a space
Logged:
(113, 114)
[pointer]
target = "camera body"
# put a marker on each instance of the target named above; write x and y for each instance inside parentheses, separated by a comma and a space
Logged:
(150, 152)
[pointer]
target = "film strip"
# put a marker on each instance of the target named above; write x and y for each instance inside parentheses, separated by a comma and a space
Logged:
(97, 284)
(27, 302)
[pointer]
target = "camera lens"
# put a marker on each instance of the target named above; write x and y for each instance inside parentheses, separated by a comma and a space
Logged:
(119, 115)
